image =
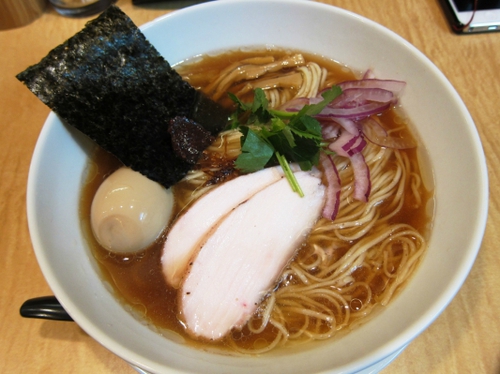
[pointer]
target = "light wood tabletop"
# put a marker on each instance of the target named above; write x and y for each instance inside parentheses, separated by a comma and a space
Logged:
(464, 339)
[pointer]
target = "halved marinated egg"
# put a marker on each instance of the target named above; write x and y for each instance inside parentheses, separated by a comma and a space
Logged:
(129, 211)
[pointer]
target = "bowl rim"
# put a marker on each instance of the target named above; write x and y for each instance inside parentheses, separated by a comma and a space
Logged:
(405, 337)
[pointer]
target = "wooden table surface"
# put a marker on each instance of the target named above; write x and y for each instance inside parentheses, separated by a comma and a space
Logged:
(464, 339)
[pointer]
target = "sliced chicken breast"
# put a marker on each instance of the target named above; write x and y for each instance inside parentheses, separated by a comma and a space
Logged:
(185, 237)
(243, 258)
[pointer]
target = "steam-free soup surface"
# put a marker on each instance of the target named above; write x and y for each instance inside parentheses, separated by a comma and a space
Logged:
(139, 282)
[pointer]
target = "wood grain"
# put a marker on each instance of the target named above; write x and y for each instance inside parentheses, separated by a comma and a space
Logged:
(17, 13)
(464, 339)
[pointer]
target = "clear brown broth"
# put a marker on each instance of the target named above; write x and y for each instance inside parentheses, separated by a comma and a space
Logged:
(138, 279)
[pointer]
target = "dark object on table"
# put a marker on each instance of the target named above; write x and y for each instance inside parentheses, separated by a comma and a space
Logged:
(109, 82)
(138, 2)
(82, 9)
(45, 307)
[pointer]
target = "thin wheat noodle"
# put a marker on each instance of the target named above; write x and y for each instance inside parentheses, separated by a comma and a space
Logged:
(347, 268)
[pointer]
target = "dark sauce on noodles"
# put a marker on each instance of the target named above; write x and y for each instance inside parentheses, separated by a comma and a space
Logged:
(138, 279)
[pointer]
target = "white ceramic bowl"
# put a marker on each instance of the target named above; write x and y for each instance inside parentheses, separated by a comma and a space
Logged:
(440, 119)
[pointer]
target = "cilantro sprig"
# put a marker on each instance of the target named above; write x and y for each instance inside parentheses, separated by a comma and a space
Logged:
(272, 137)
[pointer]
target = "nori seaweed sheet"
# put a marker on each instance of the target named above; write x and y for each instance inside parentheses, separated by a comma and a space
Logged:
(189, 138)
(109, 82)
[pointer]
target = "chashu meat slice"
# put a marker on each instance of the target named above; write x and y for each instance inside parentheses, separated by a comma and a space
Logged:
(192, 228)
(244, 257)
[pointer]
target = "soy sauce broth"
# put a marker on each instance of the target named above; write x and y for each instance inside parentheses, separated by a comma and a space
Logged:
(137, 279)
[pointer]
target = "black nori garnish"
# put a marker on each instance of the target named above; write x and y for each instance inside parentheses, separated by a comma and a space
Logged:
(109, 82)
(189, 138)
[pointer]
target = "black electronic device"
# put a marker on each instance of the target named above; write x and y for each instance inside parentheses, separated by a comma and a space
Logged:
(472, 16)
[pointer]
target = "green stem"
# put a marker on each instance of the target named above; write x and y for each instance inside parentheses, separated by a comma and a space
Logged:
(290, 176)
(282, 114)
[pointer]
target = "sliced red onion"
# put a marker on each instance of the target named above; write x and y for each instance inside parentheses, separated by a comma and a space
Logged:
(396, 87)
(357, 147)
(354, 141)
(347, 144)
(330, 130)
(369, 74)
(345, 139)
(357, 113)
(348, 125)
(362, 182)
(331, 173)
(352, 97)
(375, 133)
(359, 100)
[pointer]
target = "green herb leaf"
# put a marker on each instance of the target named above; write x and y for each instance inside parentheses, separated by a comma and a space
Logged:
(256, 153)
(241, 105)
(328, 97)
(312, 126)
(277, 137)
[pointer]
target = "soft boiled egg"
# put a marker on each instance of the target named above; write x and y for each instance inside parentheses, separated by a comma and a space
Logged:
(129, 211)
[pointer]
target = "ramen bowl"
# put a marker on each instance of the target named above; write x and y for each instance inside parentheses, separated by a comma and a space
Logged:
(439, 119)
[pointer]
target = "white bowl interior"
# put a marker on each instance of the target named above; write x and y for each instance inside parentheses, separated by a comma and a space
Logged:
(440, 119)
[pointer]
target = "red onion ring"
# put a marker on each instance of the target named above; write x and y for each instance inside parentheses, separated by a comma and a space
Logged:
(360, 99)
(330, 130)
(343, 143)
(353, 97)
(394, 86)
(362, 182)
(332, 204)
(376, 134)
(357, 113)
